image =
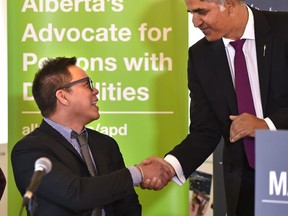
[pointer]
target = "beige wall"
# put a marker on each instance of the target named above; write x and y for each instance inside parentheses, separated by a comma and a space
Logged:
(3, 97)
(3, 73)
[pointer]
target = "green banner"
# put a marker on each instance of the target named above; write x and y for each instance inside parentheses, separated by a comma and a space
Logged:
(136, 54)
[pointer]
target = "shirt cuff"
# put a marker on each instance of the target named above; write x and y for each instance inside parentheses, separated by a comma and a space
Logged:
(179, 178)
(136, 175)
(270, 124)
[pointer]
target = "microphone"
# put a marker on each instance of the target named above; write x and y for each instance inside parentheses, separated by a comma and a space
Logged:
(42, 166)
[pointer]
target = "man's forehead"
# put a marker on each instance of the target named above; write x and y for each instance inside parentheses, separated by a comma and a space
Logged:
(200, 4)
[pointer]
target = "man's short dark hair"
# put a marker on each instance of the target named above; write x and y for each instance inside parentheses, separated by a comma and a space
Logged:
(53, 74)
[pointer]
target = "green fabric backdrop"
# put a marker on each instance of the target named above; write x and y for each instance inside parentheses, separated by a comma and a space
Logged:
(136, 53)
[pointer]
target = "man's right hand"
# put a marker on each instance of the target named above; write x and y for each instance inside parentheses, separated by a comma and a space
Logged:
(157, 173)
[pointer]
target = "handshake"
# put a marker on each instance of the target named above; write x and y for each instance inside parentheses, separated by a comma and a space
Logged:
(156, 173)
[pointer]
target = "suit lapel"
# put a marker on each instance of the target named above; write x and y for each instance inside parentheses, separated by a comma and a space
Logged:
(264, 52)
(223, 74)
(53, 134)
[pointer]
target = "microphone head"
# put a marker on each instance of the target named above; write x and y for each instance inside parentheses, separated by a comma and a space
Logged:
(43, 164)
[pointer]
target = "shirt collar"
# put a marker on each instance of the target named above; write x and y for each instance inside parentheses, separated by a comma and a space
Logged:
(249, 32)
(64, 131)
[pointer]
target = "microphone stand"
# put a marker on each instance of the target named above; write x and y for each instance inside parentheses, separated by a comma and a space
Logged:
(30, 204)
(42, 167)
(32, 207)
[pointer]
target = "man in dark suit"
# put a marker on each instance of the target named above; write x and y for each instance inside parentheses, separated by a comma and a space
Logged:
(68, 100)
(214, 111)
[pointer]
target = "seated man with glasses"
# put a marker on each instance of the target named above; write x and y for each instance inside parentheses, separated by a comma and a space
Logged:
(88, 175)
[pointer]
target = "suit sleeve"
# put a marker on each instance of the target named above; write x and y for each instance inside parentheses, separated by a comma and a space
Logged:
(204, 128)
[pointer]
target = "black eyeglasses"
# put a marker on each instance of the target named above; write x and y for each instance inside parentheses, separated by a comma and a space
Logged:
(68, 85)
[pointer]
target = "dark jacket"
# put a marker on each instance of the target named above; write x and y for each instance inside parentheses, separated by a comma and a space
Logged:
(68, 189)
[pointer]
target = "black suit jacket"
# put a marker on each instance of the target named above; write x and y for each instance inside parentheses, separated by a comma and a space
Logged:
(68, 189)
(213, 98)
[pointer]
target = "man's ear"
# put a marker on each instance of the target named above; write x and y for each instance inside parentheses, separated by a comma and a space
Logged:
(61, 96)
(231, 2)
(230, 5)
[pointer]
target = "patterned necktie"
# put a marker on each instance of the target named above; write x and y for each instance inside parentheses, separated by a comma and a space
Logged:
(85, 151)
(244, 95)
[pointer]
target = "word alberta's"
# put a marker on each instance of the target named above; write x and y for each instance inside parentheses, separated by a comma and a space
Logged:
(53, 6)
